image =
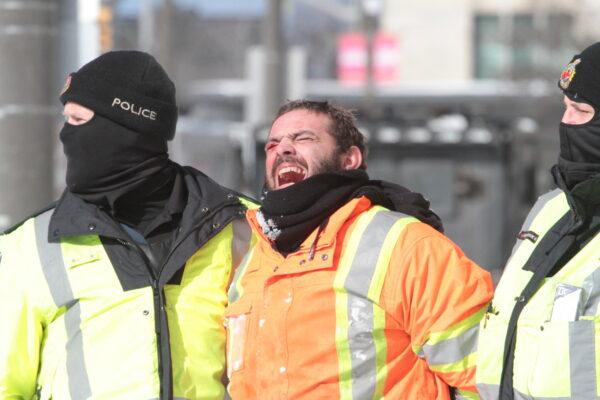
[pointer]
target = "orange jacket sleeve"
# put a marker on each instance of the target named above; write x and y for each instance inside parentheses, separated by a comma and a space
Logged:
(438, 297)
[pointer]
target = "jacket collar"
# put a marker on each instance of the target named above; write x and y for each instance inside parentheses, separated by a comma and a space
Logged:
(327, 235)
(74, 217)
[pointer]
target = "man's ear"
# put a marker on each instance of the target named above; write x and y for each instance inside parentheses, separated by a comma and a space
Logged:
(352, 158)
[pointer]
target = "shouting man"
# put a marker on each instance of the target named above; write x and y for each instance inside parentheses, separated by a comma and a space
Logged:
(342, 298)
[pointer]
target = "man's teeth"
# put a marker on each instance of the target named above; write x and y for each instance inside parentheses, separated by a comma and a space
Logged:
(286, 170)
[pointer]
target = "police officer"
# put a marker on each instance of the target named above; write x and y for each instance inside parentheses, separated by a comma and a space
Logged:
(117, 291)
(540, 337)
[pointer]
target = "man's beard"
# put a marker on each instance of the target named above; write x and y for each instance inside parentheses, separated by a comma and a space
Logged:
(327, 165)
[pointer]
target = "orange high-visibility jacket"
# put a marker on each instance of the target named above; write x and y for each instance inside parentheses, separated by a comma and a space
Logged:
(374, 304)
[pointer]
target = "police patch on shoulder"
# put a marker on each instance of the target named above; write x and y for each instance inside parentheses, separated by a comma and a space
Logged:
(568, 74)
(66, 86)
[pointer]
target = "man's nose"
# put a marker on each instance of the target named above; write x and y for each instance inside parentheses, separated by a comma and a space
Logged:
(286, 147)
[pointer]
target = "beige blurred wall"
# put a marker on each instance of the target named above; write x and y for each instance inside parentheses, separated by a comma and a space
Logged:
(436, 37)
(433, 38)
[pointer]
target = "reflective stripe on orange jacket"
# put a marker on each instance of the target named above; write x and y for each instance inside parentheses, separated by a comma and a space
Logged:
(383, 305)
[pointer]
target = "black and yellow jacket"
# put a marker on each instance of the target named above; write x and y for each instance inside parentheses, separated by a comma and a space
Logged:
(84, 316)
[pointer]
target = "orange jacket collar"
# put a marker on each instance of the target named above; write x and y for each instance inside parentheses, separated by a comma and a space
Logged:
(328, 235)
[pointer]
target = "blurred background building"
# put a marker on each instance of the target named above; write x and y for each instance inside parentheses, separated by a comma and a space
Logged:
(458, 98)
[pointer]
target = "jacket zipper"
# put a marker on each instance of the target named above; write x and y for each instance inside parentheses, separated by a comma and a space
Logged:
(159, 308)
(159, 300)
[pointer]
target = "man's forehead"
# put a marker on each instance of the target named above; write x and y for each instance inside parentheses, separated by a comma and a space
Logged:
(301, 120)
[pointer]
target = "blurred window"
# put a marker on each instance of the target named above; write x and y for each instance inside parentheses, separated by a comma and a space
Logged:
(520, 46)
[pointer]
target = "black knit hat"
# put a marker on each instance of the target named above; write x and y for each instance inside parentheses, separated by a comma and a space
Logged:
(129, 88)
(581, 77)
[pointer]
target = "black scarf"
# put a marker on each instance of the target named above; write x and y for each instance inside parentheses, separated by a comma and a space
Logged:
(125, 172)
(289, 215)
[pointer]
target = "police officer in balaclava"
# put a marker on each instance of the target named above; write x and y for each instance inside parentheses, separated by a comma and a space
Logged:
(539, 336)
(118, 289)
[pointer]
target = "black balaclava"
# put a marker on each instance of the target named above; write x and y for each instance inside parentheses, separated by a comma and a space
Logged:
(105, 161)
(579, 157)
(118, 160)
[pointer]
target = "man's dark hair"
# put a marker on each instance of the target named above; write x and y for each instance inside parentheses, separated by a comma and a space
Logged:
(343, 124)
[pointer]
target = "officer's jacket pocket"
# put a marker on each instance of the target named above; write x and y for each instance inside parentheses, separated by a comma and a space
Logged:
(81, 259)
(237, 321)
(566, 362)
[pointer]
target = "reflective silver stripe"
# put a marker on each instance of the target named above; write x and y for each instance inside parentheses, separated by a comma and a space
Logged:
(452, 350)
(582, 363)
(360, 310)
(538, 206)
(51, 259)
(54, 269)
(182, 398)
(591, 286)
(362, 347)
(491, 392)
(488, 391)
(582, 360)
(233, 294)
(521, 396)
(241, 241)
(535, 210)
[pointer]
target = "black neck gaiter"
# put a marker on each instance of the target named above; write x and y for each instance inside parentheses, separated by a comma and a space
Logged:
(289, 215)
(579, 157)
(115, 167)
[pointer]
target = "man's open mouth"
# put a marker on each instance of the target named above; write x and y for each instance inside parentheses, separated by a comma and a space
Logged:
(287, 176)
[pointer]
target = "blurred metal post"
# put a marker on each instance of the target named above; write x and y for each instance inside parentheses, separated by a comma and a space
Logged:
(371, 10)
(88, 14)
(27, 31)
(164, 31)
(146, 26)
(272, 37)
(78, 43)
(79, 36)
(254, 107)
(255, 100)
(296, 73)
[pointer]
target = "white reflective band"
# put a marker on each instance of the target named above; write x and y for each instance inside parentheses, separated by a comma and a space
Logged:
(240, 243)
(591, 286)
(582, 360)
(452, 350)
(487, 391)
(360, 309)
(535, 210)
(53, 266)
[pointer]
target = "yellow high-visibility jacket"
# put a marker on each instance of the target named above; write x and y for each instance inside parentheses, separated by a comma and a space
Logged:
(540, 338)
(83, 317)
